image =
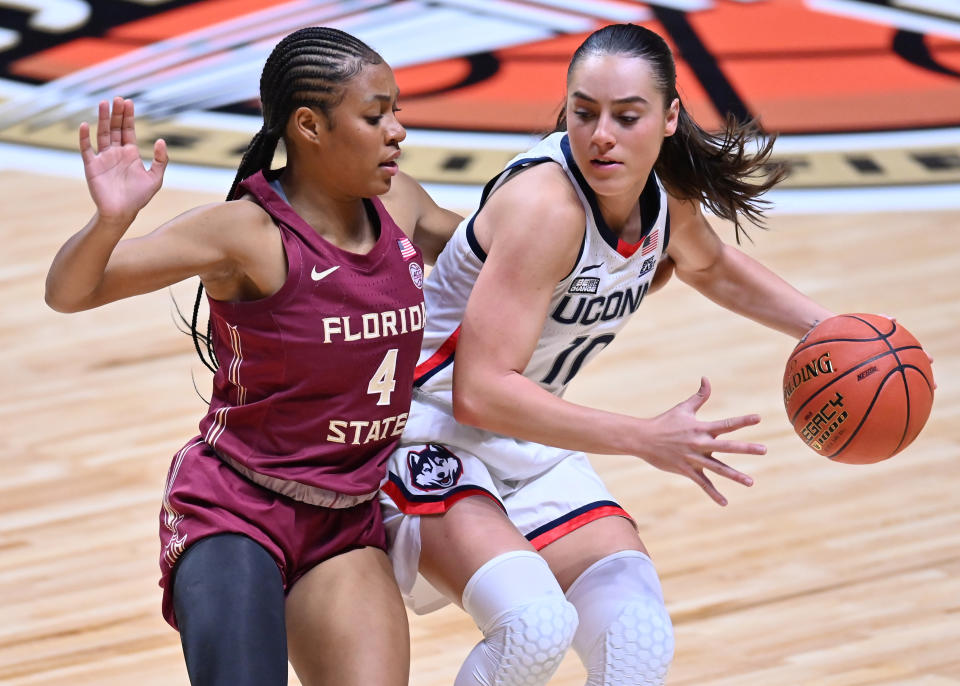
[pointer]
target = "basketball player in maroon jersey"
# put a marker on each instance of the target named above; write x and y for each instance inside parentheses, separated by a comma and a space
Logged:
(272, 538)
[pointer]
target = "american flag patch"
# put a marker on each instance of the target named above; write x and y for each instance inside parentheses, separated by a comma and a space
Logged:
(650, 242)
(407, 251)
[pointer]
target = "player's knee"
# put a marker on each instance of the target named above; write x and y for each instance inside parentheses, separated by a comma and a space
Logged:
(524, 646)
(527, 623)
(541, 632)
(229, 604)
(625, 636)
(637, 646)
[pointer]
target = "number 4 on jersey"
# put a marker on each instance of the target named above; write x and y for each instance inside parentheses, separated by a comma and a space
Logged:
(383, 381)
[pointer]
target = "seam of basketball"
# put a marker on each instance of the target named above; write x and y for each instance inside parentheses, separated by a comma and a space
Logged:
(903, 379)
(880, 335)
(866, 413)
(796, 414)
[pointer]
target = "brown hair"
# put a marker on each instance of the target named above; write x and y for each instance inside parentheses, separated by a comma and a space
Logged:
(728, 171)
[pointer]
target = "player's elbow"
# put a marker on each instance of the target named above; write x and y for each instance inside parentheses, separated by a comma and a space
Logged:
(61, 299)
(55, 301)
(467, 406)
(702, 275)
(472, 397)
(65, 307)
(484, 399)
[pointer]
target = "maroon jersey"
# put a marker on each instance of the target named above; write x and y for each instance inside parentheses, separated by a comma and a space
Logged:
(314, 382)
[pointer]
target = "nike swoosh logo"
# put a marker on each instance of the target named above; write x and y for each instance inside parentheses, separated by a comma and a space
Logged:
(316, 276)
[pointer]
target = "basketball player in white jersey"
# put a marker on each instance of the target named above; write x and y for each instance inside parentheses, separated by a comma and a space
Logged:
(490, 497)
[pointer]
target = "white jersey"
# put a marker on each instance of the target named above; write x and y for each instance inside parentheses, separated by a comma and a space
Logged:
(587, 308)
(546, 491)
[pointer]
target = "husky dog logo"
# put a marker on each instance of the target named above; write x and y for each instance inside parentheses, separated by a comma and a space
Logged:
(434, 468)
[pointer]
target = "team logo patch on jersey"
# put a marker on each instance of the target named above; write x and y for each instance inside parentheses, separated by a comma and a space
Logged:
(584, 284)
(416, 273)
(434, 468)
(647, 265)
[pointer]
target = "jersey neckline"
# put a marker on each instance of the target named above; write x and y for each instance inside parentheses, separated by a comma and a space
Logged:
(649, 201)
(281, 211)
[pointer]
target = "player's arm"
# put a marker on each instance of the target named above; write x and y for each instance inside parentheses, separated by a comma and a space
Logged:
(216, 242)
(531, 229)
(220, 242)
(508, 306)
(428, 225)
(734, 280)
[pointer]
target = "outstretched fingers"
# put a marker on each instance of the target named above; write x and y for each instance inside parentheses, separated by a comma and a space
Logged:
(128, 132)
(709, 462)
(103, 126)
(86, 148)
(696, 401)
(731, 447)
(725, 470)
(160, 159)
(738, 448)
(701, 479)
(116, 121)
(722, 426)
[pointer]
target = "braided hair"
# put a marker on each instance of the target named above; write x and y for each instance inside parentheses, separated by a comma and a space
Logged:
(717, 170)
(308, 68)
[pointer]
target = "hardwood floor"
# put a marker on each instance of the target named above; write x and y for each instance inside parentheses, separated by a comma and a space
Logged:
(823, 574)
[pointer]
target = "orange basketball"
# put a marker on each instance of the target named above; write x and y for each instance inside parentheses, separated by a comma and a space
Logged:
(858, 388)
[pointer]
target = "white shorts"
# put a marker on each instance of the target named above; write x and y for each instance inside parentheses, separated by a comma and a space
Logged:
(440, 462)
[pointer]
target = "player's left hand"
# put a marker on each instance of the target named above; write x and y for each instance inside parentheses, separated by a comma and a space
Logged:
(119, 182)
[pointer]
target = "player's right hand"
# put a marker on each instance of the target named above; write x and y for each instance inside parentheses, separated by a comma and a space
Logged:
(682, 444)
(119, 182)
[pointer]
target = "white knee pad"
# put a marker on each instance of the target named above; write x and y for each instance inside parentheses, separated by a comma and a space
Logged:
(625, 637)
(526, 622)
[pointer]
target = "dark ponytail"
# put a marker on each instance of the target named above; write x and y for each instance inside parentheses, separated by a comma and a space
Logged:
(728, 171)
(719, 170)
(308, 68)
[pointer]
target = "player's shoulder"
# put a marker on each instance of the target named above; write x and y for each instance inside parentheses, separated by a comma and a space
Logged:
(238, 214)
(538, 207)
(239, 228)
(240, 220)
(543, 193)
(683, 211)
(245, 211)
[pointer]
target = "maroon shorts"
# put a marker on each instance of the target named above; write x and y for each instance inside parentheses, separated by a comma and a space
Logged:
(203, 497)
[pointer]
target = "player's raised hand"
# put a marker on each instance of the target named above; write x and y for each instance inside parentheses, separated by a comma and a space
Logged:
(119, 182)
(684, 445)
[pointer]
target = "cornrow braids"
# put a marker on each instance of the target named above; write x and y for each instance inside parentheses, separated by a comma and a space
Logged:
(717, 170)
(308, 68)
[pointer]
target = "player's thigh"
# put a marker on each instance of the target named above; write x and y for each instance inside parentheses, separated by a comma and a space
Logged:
(346, 623)
(571, 554)
(455, 544)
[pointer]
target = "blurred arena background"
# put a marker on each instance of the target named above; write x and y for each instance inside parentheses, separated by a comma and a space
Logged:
(822, 574)
(865, 93)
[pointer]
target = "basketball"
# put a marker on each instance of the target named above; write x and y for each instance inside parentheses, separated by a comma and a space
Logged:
(858, 388)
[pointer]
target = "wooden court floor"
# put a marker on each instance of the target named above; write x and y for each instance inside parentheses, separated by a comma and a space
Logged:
(822, 574)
